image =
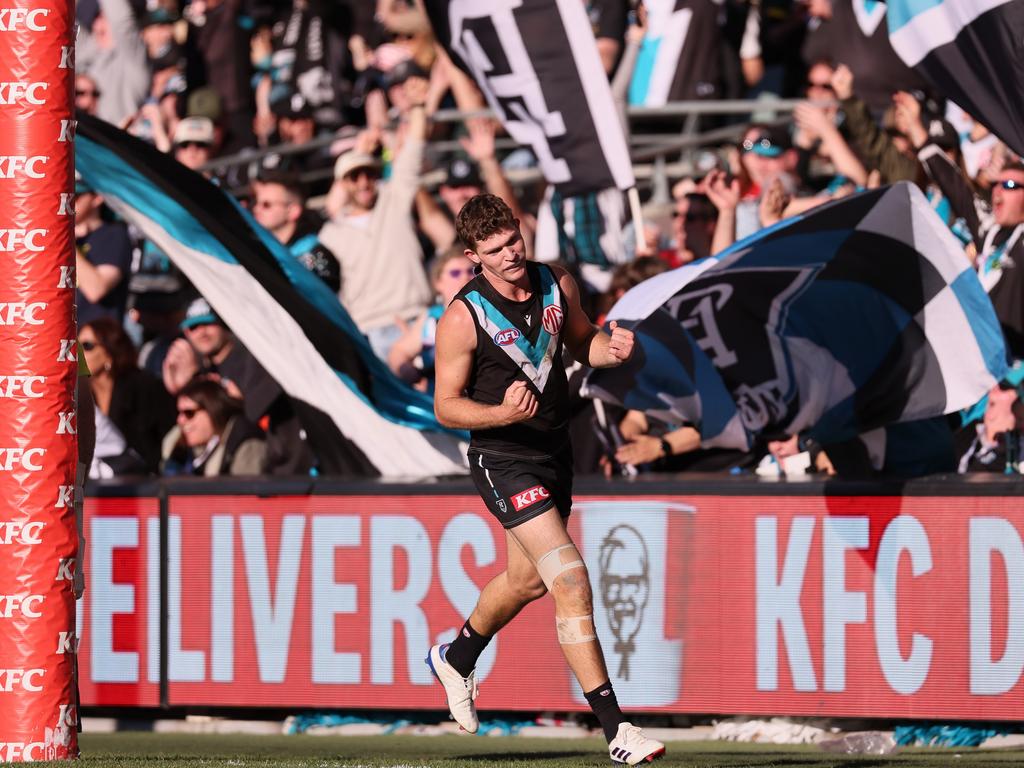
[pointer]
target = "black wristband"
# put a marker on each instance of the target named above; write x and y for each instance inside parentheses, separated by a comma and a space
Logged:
(666, 448)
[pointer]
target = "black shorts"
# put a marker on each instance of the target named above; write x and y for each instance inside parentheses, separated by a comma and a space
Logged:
(516, 490)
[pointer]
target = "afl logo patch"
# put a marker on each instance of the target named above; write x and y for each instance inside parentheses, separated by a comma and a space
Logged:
(506, 337)
(552, 319)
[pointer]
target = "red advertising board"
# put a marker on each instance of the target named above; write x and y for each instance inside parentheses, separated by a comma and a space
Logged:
(839, 606)
(119, 615)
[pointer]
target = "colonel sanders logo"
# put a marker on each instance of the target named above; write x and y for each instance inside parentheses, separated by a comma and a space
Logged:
(625, 585)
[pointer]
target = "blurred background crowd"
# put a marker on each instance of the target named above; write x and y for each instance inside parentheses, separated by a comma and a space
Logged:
(308, 112)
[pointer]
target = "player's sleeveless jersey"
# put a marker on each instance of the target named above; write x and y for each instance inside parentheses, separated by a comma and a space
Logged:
(520, 340)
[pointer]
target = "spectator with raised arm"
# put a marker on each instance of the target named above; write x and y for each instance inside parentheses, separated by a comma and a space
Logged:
(110, 50)
(724, 194)
(765, 156)
(817, 133)
(374, 236)
(888, 150)
(465, 178)
(217, 32)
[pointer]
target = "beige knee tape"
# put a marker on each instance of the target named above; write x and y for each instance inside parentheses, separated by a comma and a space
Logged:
(575, 629)
(556, 562)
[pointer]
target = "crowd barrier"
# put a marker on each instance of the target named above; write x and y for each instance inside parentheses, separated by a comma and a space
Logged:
(726, 595)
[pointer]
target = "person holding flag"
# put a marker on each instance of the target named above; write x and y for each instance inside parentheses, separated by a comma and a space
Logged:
(499, 375)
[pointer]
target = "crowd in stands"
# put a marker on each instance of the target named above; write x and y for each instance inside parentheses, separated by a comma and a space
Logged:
(326, 109)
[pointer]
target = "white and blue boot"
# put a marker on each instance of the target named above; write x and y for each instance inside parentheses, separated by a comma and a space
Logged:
(460, 691)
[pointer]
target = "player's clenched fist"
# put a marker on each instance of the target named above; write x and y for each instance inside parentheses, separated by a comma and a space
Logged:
(620, 345)
(519, 402)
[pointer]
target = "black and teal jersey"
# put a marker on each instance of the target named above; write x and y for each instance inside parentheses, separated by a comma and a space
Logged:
(520, 340)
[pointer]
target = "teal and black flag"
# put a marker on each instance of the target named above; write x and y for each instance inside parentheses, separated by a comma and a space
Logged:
(972, 51)
(860, 314)
(358, 416)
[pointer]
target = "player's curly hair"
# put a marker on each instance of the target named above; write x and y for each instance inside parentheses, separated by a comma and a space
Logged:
(482, 216)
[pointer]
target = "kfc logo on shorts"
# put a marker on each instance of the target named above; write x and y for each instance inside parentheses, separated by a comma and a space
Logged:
(552, 319)
(506, 337)
(529, 496)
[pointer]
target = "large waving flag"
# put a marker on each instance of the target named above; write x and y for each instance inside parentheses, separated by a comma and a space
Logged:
(973, 51)
(537, 64)
(679, 57)
(291, 322)
(860, 314)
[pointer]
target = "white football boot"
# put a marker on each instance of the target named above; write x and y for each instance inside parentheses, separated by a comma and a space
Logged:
(630, 746)
(461, 691)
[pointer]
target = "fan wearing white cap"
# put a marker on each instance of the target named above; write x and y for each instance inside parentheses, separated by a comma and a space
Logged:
(193, 142)
(373, 234)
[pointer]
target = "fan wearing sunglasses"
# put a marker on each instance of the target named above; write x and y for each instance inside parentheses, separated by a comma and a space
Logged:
(87, 94)
(373, 234)
(997, 241)
(279, 204)
(132, 409)
(412, 356)
(212, 437)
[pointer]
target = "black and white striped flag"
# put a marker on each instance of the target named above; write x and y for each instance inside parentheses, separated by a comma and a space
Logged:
(359, 417)
(973, 51)
(536, 62)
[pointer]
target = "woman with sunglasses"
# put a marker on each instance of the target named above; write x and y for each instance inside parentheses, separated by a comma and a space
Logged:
(212, 437)
(411, 358)
(133, 410)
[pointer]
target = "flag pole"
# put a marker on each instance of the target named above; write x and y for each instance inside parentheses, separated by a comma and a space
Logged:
(638, 216)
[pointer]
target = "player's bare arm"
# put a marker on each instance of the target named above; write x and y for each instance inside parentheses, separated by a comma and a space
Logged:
(587, 343)
(455, 343)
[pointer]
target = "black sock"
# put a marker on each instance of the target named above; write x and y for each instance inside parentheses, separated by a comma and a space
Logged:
(602, 700)
(465, 649)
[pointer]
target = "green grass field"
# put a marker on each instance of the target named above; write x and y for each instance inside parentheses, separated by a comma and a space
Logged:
(126, 750)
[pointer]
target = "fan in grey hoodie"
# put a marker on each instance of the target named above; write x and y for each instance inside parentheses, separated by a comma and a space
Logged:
(110, 50)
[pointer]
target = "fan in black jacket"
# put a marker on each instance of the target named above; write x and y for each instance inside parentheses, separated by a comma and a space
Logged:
(133, 410)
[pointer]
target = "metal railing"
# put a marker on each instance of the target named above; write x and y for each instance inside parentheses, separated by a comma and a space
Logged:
(656, 156)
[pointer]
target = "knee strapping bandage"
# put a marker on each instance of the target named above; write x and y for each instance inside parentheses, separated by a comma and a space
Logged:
(556, 562)
(575, 629)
